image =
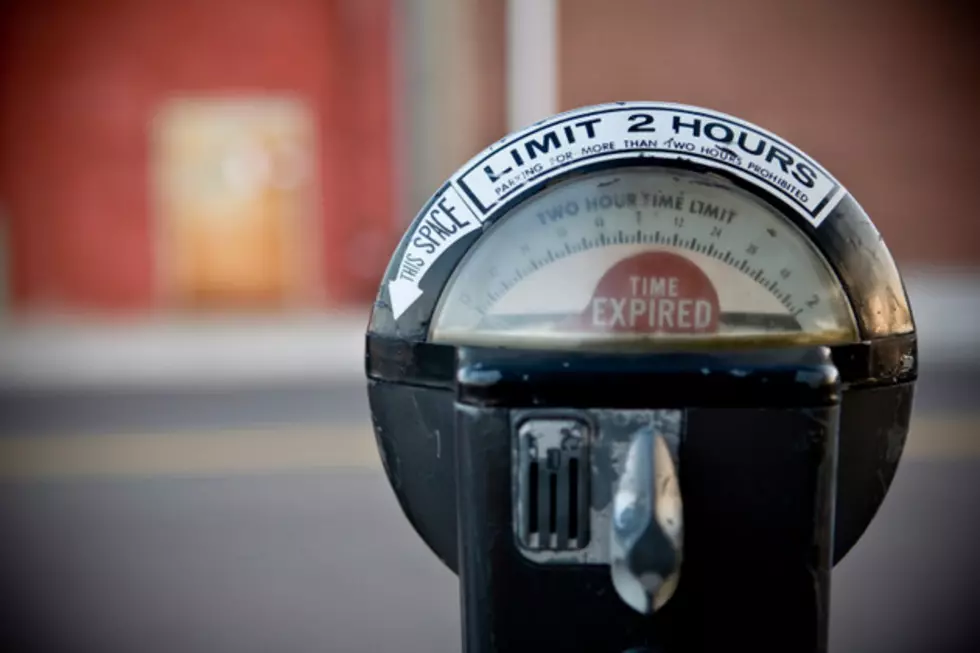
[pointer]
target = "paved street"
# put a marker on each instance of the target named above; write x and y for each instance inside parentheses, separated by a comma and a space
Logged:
(257, 519)
(323, 561)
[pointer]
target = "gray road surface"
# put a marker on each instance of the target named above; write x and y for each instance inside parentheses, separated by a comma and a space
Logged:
(195, 554)
(324, 562)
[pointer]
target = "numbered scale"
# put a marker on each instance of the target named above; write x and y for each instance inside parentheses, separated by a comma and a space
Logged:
(654, 257)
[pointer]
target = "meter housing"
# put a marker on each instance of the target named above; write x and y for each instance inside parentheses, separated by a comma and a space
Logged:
(636, 228)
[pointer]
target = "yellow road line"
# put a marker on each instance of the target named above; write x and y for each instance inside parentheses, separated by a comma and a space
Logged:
(192, 453)
(271, 450)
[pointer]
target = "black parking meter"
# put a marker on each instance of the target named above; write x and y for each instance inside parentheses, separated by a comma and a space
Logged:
(640, 374)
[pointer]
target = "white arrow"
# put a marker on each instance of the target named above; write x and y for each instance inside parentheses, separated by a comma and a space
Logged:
(402, 294)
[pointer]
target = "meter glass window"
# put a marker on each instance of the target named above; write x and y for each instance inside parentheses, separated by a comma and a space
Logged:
(646, 257)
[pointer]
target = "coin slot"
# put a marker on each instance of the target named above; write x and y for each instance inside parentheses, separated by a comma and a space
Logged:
(552, 513)
(532, 505)
(573, 506)
(552, 505)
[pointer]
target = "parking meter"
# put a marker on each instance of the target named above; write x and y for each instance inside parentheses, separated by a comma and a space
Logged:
(640, 375)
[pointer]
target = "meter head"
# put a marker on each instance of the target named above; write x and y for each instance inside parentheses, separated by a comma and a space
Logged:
(637, 229)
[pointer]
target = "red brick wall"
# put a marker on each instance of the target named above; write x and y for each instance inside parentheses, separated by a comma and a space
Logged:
(81, 81)
(881, 92)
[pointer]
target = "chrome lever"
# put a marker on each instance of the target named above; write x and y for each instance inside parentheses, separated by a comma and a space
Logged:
(647, 525)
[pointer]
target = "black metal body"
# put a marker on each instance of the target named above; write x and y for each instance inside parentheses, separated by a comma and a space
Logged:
(785, 457)
(758, 457)
(406, 372)
(411, 385)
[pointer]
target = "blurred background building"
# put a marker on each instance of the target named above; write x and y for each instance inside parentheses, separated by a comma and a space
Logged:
(200, 193)
(166, 157)
(172, 158)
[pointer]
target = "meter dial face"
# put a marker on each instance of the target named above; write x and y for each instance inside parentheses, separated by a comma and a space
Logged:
(645, 257)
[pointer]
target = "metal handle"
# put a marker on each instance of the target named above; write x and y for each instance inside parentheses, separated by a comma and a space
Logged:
(648, 523)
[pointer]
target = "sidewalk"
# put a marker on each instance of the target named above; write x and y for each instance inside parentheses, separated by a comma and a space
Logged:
(208, 351)
(330, 347)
